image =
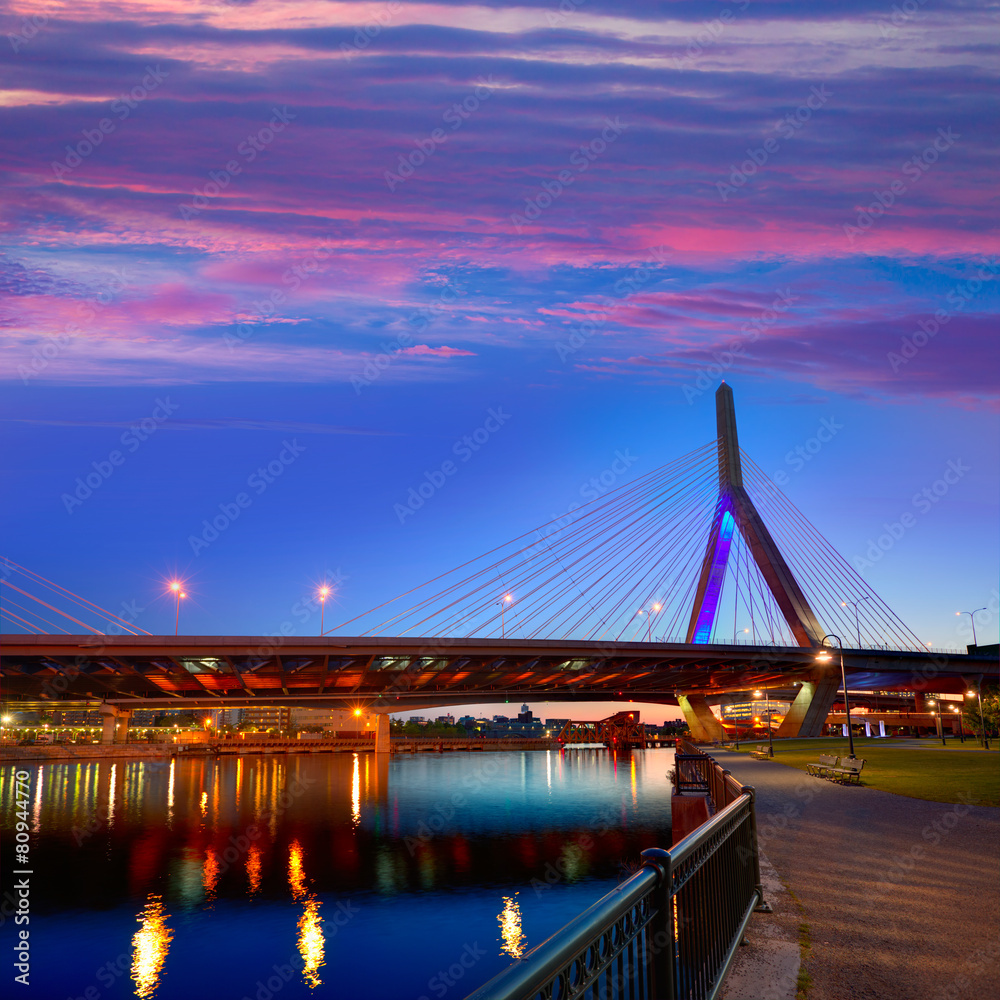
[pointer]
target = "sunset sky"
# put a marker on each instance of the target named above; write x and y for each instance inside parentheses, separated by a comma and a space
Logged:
(337, 238)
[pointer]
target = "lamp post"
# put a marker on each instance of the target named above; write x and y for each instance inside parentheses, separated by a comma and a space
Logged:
(982, 720)
(649, 629)
(175, 586)
(938, 723)
(961, 724)
(825, 656)
(507, 599)
(857, 625)
(324, 593)
(972, 615)
(767, 712)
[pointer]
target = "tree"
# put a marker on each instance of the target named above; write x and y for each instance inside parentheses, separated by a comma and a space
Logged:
(991, 714)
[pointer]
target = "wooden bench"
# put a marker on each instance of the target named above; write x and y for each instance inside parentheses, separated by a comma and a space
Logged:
(848, 771)
(825, 763)
(761, 753)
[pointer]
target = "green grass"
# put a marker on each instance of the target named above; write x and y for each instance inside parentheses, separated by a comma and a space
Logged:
(920, 769)
(803, 980)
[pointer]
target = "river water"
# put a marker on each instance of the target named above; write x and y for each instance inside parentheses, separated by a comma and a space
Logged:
(327, 876)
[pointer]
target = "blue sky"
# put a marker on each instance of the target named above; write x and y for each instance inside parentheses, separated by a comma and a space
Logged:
(632, 194)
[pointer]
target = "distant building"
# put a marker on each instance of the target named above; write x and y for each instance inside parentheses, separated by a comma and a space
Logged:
(264, 717)
(332, 719)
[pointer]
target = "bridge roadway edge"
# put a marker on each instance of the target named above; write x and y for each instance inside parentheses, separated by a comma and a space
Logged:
(901, 895)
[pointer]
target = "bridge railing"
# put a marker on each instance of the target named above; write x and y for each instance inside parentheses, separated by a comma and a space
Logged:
(670, 932)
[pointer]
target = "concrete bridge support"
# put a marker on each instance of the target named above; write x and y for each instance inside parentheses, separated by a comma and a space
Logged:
(812, 705)
(115, 724)
(382, 734)
(701, 720)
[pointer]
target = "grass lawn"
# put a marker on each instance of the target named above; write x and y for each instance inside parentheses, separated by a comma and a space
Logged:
(921, 771)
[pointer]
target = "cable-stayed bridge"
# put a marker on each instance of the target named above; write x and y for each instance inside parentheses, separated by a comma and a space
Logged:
(693, 583)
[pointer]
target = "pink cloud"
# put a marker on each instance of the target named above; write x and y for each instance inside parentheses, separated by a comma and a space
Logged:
(438, 352)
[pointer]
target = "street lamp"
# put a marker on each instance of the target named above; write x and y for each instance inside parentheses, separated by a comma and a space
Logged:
(972, 615)
(503, 607)
(824, 657)
(324, 593)
(854, 604)
(982, 720)
(938, 724)
(767, 712)
(961, 724)
(175, 586)
(649, 630)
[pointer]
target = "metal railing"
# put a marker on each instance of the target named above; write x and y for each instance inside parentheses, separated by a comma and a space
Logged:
(672, 930)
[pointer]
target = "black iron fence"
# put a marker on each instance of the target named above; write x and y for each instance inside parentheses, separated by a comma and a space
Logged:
(672, 930)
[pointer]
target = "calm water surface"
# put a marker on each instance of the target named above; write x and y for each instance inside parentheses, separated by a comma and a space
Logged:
(323, 875)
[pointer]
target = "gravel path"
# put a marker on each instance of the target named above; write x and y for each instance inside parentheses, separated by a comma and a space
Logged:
(902, 896)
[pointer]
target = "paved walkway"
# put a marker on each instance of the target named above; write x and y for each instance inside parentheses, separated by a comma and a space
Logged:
(902, 896)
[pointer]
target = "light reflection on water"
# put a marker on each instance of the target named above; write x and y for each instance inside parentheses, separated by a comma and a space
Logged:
(513, 938)
(150, 945)
(239, 867)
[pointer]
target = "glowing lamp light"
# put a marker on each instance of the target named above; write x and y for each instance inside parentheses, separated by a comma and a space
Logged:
(357, 712)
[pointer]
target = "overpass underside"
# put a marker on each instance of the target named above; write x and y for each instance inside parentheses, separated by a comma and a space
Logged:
(387, 675)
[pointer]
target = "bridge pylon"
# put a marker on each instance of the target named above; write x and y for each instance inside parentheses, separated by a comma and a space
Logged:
(735, 511)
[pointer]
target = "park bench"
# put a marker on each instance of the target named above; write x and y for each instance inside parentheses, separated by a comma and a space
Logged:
(761, 753)
(849, 770)
(820, 767)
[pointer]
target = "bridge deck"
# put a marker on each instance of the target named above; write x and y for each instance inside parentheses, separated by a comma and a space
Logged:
(213, 671)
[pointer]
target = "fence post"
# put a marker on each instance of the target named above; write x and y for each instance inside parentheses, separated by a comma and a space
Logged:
(660, 931)
(762, 905)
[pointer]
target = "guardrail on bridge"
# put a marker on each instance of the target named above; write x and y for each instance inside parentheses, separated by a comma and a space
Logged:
(672, 930)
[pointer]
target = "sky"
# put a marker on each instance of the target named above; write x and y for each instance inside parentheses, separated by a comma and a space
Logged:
(269, 264)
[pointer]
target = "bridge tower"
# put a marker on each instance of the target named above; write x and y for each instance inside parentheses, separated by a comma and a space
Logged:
(735, 511)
